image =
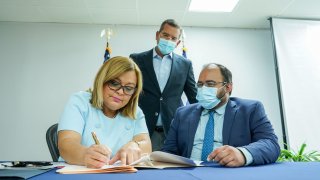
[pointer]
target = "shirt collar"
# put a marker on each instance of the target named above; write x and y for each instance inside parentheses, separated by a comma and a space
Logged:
(219, 111)
(155, 55)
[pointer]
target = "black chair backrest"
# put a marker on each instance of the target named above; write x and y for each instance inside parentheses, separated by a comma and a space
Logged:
(52, 141)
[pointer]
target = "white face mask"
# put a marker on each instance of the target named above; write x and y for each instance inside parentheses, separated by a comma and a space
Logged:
(207, 97)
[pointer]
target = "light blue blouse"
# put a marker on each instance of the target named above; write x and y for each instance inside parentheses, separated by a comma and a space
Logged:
(80, 116)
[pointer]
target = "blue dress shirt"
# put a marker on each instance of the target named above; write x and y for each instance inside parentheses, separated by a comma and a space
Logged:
(162, 69)
(218, 126)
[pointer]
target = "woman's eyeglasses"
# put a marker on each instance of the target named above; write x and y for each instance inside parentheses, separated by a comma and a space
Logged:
(116, 85)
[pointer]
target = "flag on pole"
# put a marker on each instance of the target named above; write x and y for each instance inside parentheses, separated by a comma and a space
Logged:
(184, 49)
(184, 52)
(107, 53)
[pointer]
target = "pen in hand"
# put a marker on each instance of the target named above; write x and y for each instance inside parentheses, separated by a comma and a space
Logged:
(97, 142)
(95, 138)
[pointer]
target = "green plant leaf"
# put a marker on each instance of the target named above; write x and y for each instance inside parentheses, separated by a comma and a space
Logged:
(302, 148)
(301, 156)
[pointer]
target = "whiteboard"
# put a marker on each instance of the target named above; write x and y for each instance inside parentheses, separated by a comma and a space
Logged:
(297, 47)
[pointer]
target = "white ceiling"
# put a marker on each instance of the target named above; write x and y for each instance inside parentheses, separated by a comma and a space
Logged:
(247, 14)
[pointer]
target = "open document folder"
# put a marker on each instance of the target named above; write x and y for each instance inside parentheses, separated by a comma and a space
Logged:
(160, 160)
(156, 159)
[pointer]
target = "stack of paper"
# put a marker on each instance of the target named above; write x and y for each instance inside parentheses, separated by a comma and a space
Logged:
(74, 169)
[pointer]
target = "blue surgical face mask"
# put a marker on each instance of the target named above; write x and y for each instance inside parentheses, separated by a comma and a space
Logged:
(166, 46)
(207, 97)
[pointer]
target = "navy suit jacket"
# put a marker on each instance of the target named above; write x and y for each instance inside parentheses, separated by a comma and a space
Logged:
(245, 125)
(152, 101)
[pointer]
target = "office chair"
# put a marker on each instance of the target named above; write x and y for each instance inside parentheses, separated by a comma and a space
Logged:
(52, 141)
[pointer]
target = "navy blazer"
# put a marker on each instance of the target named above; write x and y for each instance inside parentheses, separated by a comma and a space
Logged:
(245, 125)
(152, 101)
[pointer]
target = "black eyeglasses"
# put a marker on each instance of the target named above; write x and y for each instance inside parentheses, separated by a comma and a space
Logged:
(209, 84)
(116, 85)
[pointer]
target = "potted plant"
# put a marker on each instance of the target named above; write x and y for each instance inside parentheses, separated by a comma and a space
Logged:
(300, 156)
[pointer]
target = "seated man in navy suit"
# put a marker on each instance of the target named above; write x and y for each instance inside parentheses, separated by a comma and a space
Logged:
(231, 131)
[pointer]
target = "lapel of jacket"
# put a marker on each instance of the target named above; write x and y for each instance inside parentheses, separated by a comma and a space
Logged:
(195, 115)
(148, 61)
(174, 68)
(229, 117)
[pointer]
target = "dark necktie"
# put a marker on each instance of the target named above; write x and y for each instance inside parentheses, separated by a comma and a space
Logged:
(207, 146)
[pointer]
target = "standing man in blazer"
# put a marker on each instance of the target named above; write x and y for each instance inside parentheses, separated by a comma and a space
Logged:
(232, 131)
(166, 76)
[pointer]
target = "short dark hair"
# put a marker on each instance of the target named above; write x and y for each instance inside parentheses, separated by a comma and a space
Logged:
(225, 72)
(170, 22)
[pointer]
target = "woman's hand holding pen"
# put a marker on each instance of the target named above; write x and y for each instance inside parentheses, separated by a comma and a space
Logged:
(97, 156)
(129, 153)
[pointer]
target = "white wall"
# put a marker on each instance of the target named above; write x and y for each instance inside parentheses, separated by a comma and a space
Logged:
(41, 64)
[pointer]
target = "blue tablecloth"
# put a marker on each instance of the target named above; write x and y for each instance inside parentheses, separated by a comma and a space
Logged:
(288, 170)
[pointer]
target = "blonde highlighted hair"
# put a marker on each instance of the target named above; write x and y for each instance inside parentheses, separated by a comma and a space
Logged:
(110, 70)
